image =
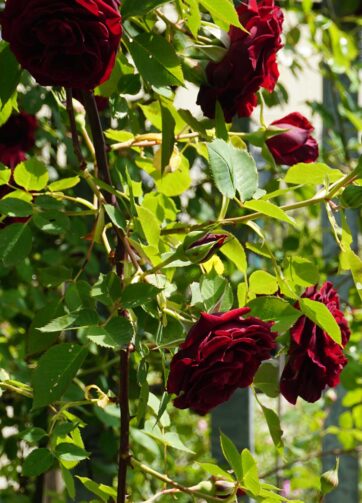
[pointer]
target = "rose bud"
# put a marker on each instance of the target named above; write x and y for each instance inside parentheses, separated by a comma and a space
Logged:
(224, 488)
(199, 247)
(314, 359)
(17, 136)
(330, 479)
(296, 144)
(221, 353)
(71, 44)
(249, 64)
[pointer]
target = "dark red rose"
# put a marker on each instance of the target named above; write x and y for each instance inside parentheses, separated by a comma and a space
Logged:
(249, 64)
(314, 359)
(221, 353)
(296, 144)
(64, 43)
(17, 136)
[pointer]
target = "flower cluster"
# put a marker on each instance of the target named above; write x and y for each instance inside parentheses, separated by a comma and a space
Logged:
(249, 64)
(223, 351)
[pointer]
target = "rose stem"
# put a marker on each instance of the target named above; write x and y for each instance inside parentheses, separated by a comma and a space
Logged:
(73, 129)
(102, 162)
(312, 456)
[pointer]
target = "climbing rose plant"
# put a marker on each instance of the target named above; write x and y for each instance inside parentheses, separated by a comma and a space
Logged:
(155, 258)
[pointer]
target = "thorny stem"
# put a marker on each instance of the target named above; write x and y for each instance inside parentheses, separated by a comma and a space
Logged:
(120, 255)
(73, 129)
(98, 139)
(167, 480)
(124, 454)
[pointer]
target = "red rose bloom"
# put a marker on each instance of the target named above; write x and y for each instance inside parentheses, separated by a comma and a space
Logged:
(221, 353)
(249, 64)
(296, 144)
(17, 136)
(315, 360)
(70, 44)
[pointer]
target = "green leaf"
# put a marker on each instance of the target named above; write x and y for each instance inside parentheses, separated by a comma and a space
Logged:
(232, 456)
(54, 275)
(250, 473)
(222, 11)
(15, 244)
(52, 221)
(275, 309)
(116, 334)
(107, 289)
(173, 183)
(216, 471)
(33, 435)
(67, 451)
(273, 422)
(64, 184)
(37, 341)
(312, 174)
(220, 126)
(156, 60)
(7, 109)
(269, 209)
(82, 318)
(354, 263)
(102, 491)
(116, 216)
(233, 170)
(69, 482)
(150, 225)
(38, 462)
(263, 283)
(139, 7)
(77, 295)
(168, 136)
(137, 294)
(10, 72)
(193, 18)
(14, 207)
(213, 288)
(352, 197)
(5, 175)
(55, 371)
(321, 316)
(266, 378)
(31, 174)
(302, 272)
(234, 251)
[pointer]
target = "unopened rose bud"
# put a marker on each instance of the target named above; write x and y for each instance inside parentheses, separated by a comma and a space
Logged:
(224, 488)
(329, 479)
(199, 247)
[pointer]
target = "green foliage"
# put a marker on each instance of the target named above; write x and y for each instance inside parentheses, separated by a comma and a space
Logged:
(233, 170)
(92, 270)
(55, 371)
